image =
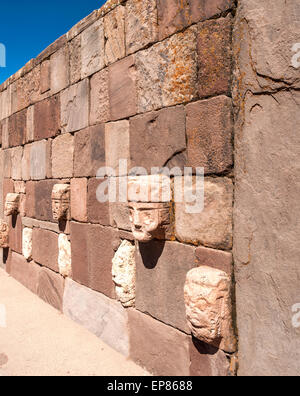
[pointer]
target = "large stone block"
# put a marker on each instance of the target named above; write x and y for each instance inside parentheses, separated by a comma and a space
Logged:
(45, 82)
(62, 156)
(4, 133)
(30, 125)
(15, 233)
(16, 163)
(75, 107)
(79, 199)
(25, 272)
(38, 160)
(119, 215)
(92, 49)
(161, 349)
(117, 144)
(7, 163)
(26, 163)
(75, 59)
(27, 243)
(59, 64)
(45, 248)
(211, 227)
(209, 128)
(122, 89)
(17, 129)
(99, 98)
(47, 118)
(92, 254)
(215, 259)
(161, 273)
(205, 9)
(114, 32)
(89, 153)
(41, 199)
(155, 138)
(141, 24)
(207, 361)
(64, 255)
(173, 16)
(215, 57)
(100, 315)
(51, 288)
(167, 72)
(97, 212)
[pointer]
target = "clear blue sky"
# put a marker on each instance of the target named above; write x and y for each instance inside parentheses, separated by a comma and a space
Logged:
(27, 27)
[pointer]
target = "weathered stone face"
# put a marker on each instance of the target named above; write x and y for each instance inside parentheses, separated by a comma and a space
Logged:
(124, 274)
(4, 232)
(149, 220)
(64, 255)
(60, 201)
(208, 307)
(12, 204)
(27, 243)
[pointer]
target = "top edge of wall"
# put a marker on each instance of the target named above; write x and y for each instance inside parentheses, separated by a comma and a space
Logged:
(61, 41)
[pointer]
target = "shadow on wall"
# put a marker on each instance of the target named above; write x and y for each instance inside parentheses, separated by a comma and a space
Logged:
(151, 253)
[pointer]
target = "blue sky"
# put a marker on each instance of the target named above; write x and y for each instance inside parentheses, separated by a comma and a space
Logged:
(28, 27)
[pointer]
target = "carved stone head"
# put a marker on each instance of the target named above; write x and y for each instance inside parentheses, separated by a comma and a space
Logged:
(149, 206)
(12, 203)
(208, 307)
(60, 201)
(124, 274)
(4, 232)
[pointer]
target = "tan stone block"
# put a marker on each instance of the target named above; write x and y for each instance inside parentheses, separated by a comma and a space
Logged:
(64, 256)
(38, 160)
(27, 243)
(99, 98)
(167, 72)
(30, 125)
(209, 224)
(5, 135)
(114, 32)
(141, 24)
(45, 84)
(62, 156)
(173, 16)
(16, 162)
(92, 49)
(7, 163)
(59, 63)
(117, 144)
(207, 295)
(26, 162)
(79, 199)
(75, 59)
(75, 107)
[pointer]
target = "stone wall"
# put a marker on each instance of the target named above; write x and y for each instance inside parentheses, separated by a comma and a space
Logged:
(148, 81)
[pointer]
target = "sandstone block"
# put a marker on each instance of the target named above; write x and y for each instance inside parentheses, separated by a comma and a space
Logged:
(4, 134)
(59, 64)
(209, 128)
(97, 212)
(92, 254)
(156, 137)
(201, 10)
(47, 118)
(167, 72)
(45, 83)
(38, 160)
(207, 295)
(75, 107)
(173, 16)
(79, 199)
(157, 292)
(99, 98)
(117, 144)
(27, 243)
(7, 163)
(26, 165)
(45, 248)
(42, 200)
(215, 57)
(51, 288)
(114, 32)
(17, 129)
(211, 227)
(30, 199)
(75, 59)
(89, 154)
(30, 125)
(119, 215)
(124, 274)
(92, 49)
(62, 156)
(100, 315)
(15, 233)
(141, 24)
(215, 259)
(64, 256)
(122, 89)
(16, 162)
(24, 272)
(166, 351)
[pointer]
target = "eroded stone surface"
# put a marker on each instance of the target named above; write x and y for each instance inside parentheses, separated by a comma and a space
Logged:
(64, 255)
(4, 234)
(62, 156)
(12, 203)
(114, 31)
(92, 49)
(60, 201)
(124, 274)
(208, 307)
(27, 243)
(59, 63)
(99, 110)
